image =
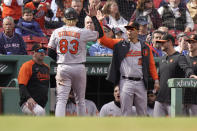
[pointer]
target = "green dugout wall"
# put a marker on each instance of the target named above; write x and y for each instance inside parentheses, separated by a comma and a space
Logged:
(98, 89)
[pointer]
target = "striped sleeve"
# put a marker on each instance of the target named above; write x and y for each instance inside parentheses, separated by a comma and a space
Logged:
(152, 67)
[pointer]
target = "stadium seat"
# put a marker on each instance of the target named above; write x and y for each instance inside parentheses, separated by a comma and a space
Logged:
(31, 40)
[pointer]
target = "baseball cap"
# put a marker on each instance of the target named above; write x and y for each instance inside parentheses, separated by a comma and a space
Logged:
(36, 47)
(142, 20)
(192, 38)
(166, 38)
(117, 30)
(182, 34)
(132, 25)
(106, 28)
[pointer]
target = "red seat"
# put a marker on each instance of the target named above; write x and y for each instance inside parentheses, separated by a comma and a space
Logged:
(31, 40)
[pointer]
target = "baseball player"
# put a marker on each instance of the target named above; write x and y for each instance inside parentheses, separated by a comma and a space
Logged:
(132, 64)
(172, 65)
(190, 97)
(68, 45)
(91, 109)
(33, 82)
(113, 108)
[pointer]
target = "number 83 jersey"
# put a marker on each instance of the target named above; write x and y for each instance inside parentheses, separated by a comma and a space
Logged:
(70, 43)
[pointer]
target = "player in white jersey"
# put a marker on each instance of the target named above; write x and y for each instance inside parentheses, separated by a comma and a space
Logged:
(91, 109)
(113, 108)
(68, 45)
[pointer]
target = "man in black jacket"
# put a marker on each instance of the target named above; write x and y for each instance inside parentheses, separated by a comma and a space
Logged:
(131, 66)
(172, 65)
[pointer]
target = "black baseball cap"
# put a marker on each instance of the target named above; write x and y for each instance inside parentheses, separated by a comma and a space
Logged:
(132, 25)
(35, 47)
(166, 38)
(142, 20)
(117, 30)
(192, 37)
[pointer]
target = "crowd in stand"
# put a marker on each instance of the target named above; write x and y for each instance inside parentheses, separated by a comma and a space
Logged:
(156, 18)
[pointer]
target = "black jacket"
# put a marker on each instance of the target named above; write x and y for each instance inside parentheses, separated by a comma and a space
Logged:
(119, 53)
(174, 66)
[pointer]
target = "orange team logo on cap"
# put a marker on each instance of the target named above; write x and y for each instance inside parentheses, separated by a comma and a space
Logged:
(194, 63)
(171, 60)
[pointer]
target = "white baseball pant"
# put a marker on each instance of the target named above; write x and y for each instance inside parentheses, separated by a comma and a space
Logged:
(37, 110)
(133, 93)
(161, 109)
(73, 75)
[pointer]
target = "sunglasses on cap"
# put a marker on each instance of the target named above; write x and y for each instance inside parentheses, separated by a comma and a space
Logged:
(41, 50)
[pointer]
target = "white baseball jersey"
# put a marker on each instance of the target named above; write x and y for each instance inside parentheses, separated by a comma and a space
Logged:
(70, 43)
(91, 109)
(131, 66)
(110, 109)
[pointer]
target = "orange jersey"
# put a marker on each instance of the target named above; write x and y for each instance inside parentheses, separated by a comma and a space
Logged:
(14, 10)
(35, 78)
(40, 14)
(67, 4)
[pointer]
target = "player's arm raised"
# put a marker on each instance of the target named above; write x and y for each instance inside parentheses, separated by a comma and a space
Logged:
(106, 41)
(92, 13)
(51, 47)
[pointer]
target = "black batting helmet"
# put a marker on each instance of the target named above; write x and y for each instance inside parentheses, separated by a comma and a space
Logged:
(70, 14)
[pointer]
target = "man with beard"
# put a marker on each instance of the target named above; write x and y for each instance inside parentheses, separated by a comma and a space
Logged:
(151, 102)
(172, 65)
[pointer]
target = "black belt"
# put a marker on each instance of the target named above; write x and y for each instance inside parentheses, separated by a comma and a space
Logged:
(132, 78)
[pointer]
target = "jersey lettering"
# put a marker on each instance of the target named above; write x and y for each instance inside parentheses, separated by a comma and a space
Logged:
(69, 33)
(64, 46)
(133, 53)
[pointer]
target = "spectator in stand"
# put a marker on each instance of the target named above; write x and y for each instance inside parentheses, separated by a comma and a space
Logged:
(146, 8)
(40, 10)
(89, 25)
(12, 8)
(163, 29)
(192, 8)
(143, 27)
(118, 33)
(126, 8)
(113, 18)
(10, 42)
(112, 108)
(27, 26)
(62, 5)
(78, 6)
(182, 43)
(157, 35)
(100, 50)
(176, 18)
(71, 109)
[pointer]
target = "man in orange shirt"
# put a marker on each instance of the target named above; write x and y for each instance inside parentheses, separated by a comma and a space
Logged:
(33, 82)
(40, 11)
(12, 8)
